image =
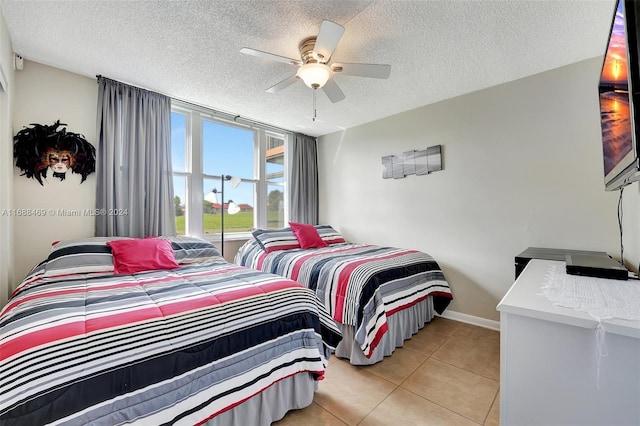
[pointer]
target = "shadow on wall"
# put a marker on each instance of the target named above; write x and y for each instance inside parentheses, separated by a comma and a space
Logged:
(469, 296)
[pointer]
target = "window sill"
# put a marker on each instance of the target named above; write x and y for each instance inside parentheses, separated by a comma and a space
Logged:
(236, 236)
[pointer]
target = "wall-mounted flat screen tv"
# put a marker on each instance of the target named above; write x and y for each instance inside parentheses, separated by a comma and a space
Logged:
(618, 79)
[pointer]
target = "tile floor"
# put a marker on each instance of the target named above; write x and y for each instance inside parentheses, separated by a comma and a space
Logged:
(447, 374)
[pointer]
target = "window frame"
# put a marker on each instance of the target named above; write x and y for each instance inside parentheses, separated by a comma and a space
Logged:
(195, 176)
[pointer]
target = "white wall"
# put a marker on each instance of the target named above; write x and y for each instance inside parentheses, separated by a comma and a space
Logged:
(522, 167)
(6, 166)
(44, 95)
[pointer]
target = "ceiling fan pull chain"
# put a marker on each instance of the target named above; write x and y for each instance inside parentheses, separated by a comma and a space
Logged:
(314, 104)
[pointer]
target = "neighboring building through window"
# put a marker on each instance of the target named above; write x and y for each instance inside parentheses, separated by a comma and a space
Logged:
(275, 181)
(205, 148)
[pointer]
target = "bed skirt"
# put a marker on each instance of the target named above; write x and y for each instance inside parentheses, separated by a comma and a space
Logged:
(272, 404)
(402, 325)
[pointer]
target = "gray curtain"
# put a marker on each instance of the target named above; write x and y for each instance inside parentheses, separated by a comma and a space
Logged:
(134, 196)
(303, 180)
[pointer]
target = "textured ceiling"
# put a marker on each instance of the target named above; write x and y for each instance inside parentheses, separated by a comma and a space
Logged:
(190, 50)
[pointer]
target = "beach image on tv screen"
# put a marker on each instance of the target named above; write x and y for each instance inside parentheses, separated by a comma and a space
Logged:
(614, 98)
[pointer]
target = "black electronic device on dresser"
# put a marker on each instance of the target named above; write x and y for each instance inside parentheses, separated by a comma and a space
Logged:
(579, 262)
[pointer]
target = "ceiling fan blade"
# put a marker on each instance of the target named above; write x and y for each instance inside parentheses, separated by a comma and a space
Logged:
(333, 92)
(362, 70)
(266, 55)
(284, 83)
(328, 37)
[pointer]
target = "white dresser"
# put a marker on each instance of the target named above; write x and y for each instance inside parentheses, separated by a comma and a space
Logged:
(549, 365)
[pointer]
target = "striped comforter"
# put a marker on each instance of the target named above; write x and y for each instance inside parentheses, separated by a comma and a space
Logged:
(361, 285)
(161, 347)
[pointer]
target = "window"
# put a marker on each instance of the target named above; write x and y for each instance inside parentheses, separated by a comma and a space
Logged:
(274, 165)
(179, 167)
(204, 149)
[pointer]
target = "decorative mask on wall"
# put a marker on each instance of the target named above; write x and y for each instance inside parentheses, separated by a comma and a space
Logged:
(39, 148)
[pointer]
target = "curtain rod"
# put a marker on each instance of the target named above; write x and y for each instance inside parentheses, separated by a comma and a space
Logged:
(224, 114)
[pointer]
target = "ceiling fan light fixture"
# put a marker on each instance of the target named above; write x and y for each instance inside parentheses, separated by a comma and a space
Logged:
(314, 75)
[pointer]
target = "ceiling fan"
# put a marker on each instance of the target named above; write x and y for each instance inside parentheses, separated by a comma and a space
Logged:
(314, 68)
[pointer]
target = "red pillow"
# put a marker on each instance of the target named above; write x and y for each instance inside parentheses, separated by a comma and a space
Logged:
(141, 254)
(307, 235)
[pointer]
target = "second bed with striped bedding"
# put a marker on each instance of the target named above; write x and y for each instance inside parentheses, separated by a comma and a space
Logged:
(361, 285)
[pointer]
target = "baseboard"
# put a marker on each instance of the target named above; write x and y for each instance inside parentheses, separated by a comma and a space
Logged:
(470, 319)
